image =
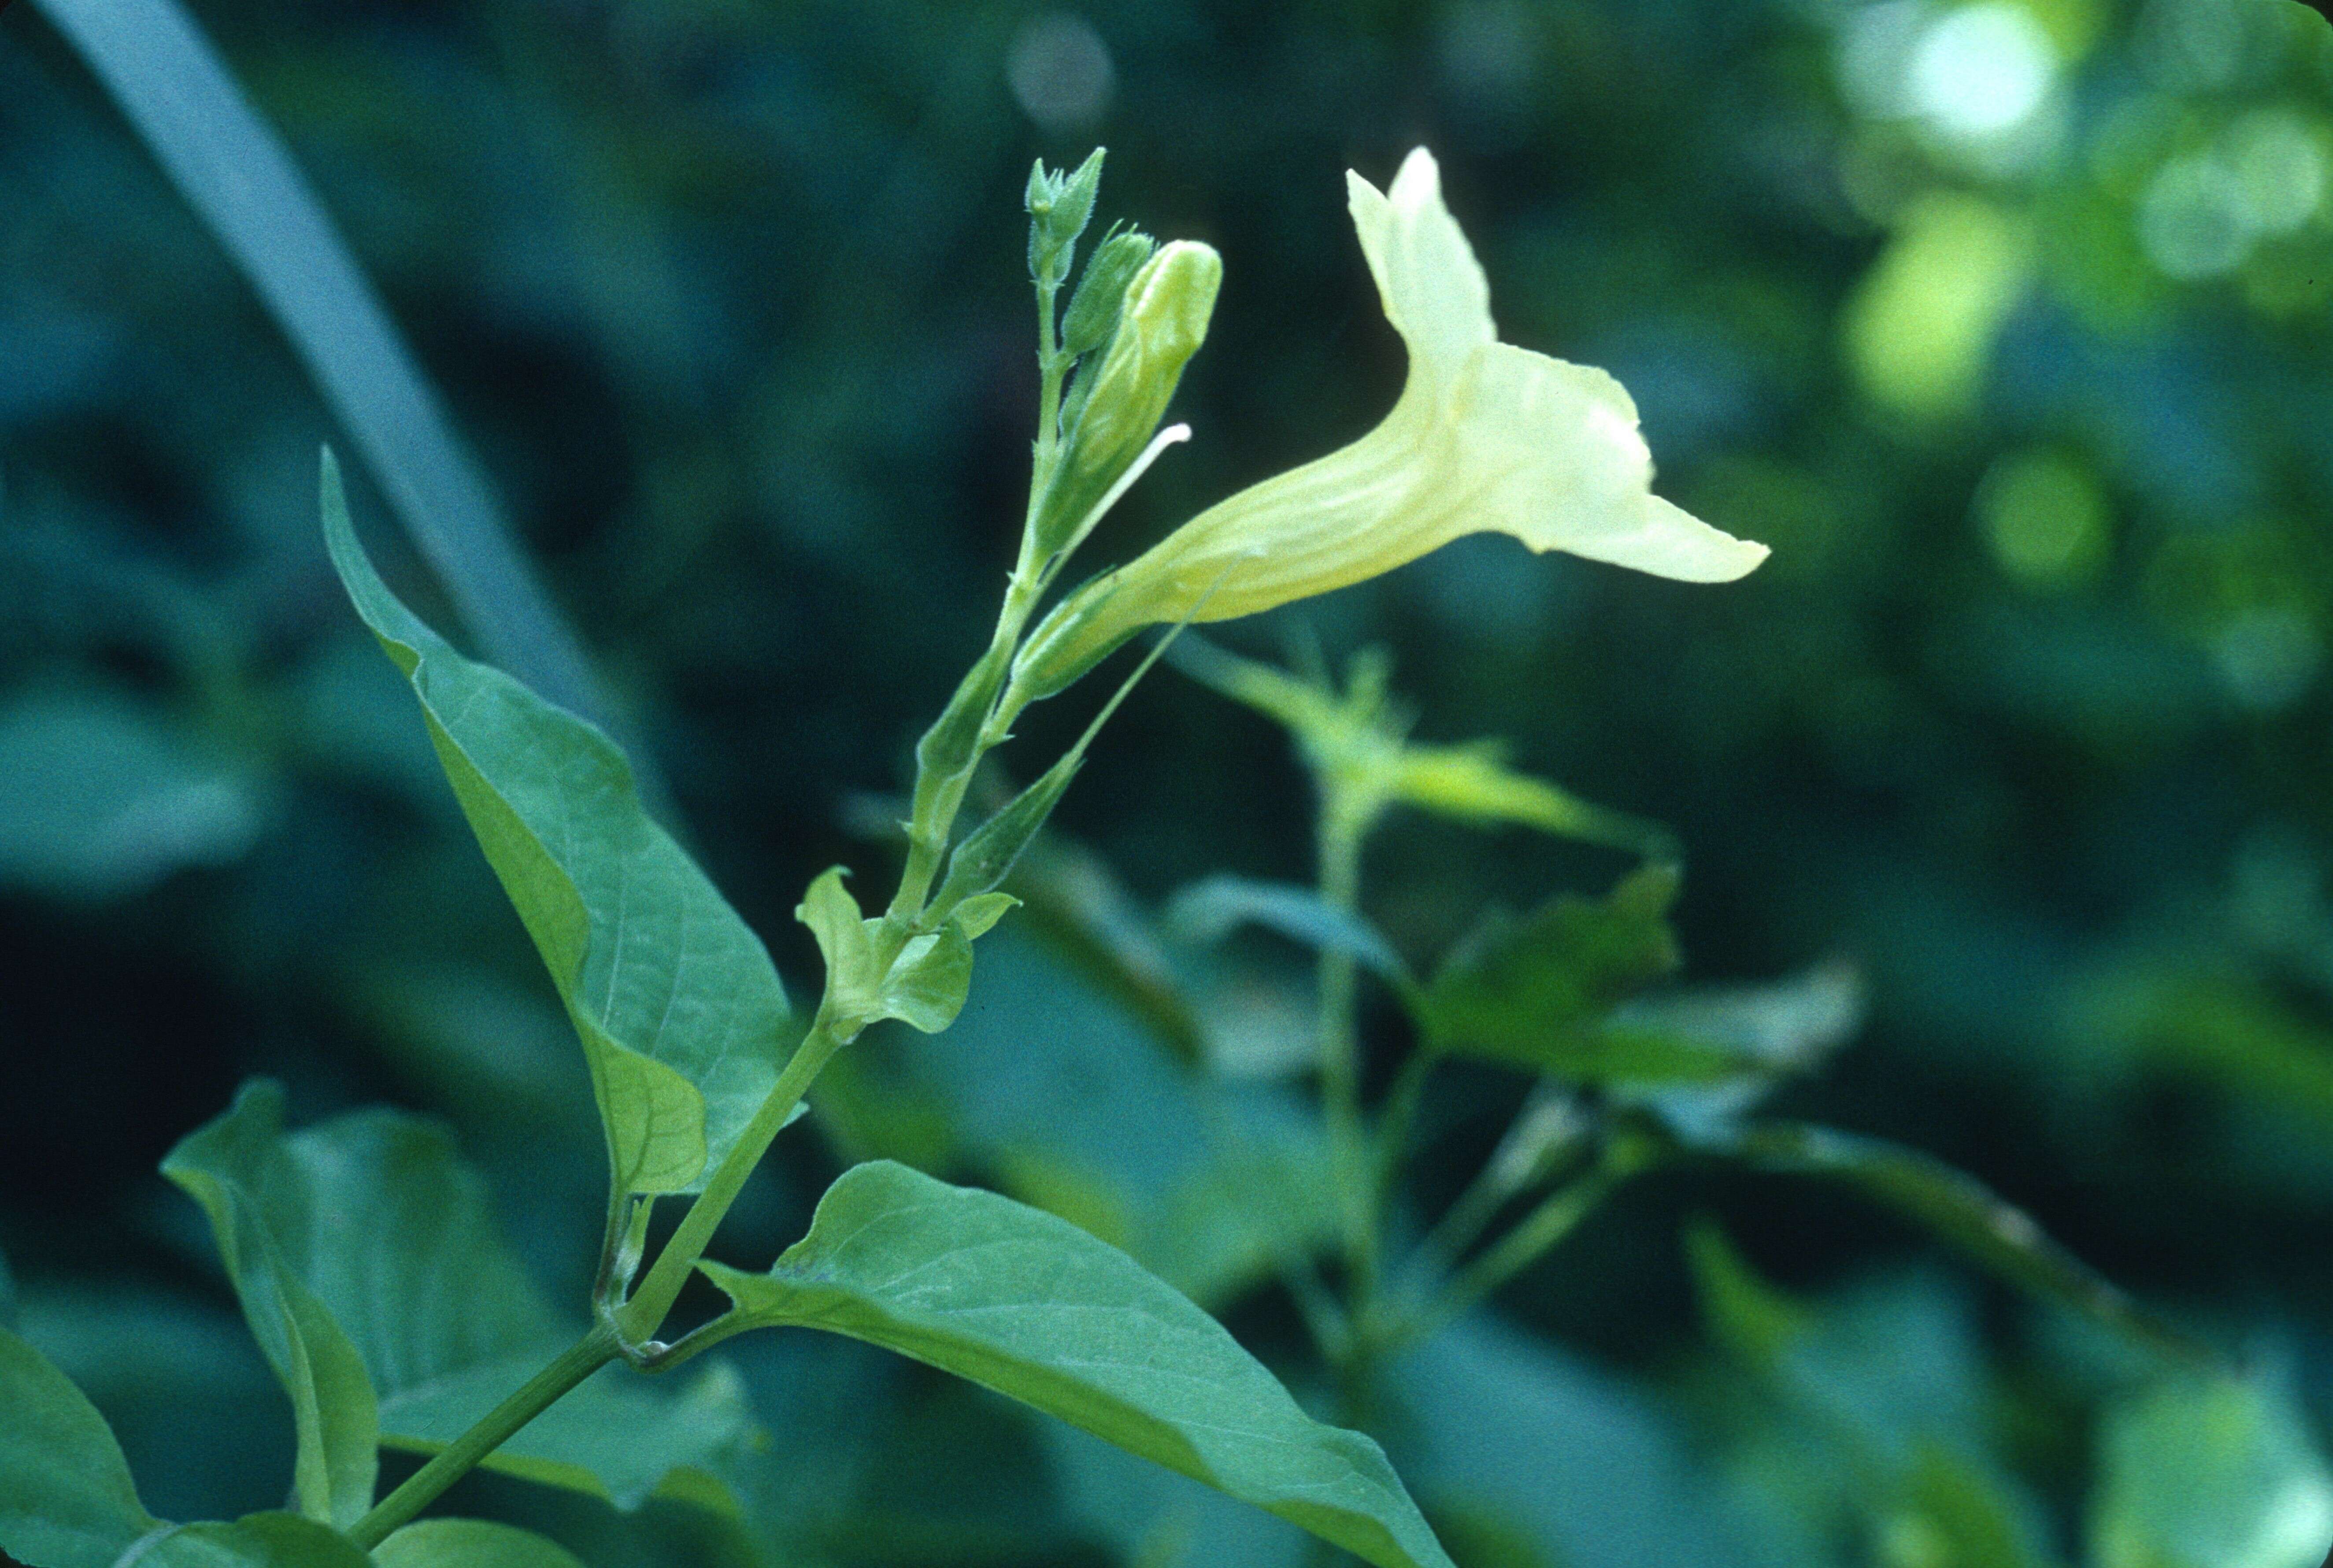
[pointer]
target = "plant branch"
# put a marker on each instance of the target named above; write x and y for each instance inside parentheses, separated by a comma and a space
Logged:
(586, 1356)
(638, 1321)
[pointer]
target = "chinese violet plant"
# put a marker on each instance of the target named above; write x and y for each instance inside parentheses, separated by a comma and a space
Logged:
(361, 1248)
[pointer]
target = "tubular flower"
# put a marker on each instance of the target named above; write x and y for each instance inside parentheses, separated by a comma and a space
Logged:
(1486, 436)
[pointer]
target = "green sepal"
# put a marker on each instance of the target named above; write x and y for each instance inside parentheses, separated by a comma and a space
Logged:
(679, 1010)
(948, 750)
(985, 856)
(976, 916)
(1060, 204)
(1093, 316)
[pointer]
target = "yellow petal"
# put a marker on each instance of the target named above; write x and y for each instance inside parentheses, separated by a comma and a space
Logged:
(1486, 436)
(1429, 281)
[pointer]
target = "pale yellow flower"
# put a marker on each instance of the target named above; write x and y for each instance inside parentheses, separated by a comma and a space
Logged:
(1486, 436)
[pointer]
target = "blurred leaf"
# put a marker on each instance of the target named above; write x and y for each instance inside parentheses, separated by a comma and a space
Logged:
(101, 797)
(238, 1169)
(1213, 1186)
(445, 1321)
(1534, 993)
(236, 174)
(1789, 1026)
(1962, 1211)
(156, 1366)
(1028, 1304)
(1078, 905)
(681, 1014)
(1474, 784)
(256, 1541)
(469, 1544)
(1209, 911)
(1584, 1466)
(612, 1437)
(2210, 1474)
(66, 1498)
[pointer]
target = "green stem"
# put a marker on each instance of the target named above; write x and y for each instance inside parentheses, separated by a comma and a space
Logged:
(641, 1318)
(1339, 1044)
(1556, 1218)
(586, 1356)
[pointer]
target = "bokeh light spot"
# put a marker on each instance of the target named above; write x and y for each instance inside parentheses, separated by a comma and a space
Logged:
(1060, 73)
(1980, 71)
(2045, 518)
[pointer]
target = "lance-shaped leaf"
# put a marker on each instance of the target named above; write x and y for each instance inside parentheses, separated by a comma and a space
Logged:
(680, 1011)
(390, 1235)
(1209, 910)
(1032, 1307)
(264, 1217)
(470, 1544)
(1959, 1208)
(66, 1498)
(1538, 994)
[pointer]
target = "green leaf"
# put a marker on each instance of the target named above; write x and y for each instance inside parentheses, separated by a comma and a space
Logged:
(680, 1011)
(853, 985)
(66, 1498)
(2210, 1474)
(1078, 907)
(444, 1319)
(1030, 1306)
(470, 1544)
(1474, 785)
(930, 980)
(1535, 994)
(102, 797)
(1209, 910)
(253, 1541)
(613, 1438)
(1962, 1210)
(264, 1218)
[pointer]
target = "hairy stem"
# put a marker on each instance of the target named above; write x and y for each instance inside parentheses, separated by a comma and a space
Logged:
(586, 1356)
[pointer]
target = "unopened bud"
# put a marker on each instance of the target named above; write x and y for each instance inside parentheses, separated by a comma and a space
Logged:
(1060, 207)
(1162, 321)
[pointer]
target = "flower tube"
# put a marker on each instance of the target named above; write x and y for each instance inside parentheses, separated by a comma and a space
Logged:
(1486, 436)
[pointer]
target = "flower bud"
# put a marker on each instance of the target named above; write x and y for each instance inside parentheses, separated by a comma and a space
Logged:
(1060, 207)
(1162, 321)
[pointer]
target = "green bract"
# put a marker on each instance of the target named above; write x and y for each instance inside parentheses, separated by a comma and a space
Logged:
(1486, 436)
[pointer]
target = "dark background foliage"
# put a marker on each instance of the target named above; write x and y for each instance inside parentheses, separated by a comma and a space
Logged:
(2016, 355)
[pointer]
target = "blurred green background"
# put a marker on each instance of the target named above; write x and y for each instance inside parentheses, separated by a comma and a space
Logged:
(2004, 323)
